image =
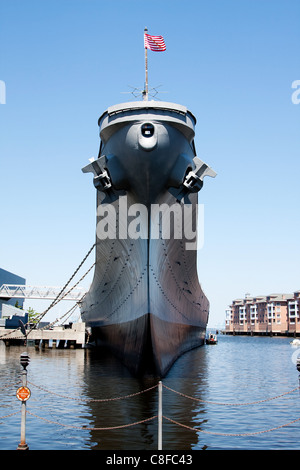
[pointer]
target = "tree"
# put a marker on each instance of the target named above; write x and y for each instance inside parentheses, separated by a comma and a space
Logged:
(32, 315)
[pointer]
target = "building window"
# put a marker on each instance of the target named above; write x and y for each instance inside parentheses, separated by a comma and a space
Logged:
(293, 310)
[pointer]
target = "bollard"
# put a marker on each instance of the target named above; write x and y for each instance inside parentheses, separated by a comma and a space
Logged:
(159, 416)
(23, 393)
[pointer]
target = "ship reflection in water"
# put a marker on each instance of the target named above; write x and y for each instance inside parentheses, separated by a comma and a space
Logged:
(107, 377)
(239, 370)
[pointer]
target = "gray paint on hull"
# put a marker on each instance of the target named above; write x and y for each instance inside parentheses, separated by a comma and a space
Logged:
(145, 301)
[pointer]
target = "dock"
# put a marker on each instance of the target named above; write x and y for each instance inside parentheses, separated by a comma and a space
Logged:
(61, 336)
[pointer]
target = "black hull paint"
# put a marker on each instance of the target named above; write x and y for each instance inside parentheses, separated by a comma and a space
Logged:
(149, 346)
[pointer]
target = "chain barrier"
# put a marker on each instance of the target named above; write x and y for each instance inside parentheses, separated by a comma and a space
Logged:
(11, 414)
(3, 387)
(156, 416)
(230, 404)
(86, 428)
(94, 399)
(230, 434)
(168, 388)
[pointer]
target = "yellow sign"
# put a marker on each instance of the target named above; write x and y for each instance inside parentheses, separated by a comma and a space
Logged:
(23, 393)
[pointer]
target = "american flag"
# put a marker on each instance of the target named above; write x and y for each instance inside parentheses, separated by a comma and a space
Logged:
(154, 43)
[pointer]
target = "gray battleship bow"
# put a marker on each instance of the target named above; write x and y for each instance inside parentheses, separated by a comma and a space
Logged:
(145, 301)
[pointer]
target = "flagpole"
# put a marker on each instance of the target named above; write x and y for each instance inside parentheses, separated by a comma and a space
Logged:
(145, 94)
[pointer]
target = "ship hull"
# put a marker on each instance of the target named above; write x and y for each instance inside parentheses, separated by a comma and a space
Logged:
(145, 302)
(148, 346)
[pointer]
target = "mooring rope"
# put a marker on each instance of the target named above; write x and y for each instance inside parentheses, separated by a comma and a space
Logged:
(57, 299)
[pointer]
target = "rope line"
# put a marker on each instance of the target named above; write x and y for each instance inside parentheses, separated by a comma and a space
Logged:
(83, 428)
(230, 434)
(230, 404)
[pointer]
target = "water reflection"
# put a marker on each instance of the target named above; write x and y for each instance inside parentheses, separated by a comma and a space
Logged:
(237, 370)
(106, 377)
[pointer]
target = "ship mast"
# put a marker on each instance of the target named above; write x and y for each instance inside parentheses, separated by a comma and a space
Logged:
(145, 92)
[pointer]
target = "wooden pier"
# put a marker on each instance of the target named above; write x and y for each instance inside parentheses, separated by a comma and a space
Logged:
(63, 337)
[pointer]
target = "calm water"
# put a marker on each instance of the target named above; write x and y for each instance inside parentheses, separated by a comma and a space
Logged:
(237, 370)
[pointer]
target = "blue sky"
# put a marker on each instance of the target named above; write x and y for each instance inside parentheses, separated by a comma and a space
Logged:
(231, 62)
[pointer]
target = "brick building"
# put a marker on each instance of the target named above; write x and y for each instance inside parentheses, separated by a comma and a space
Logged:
(266, 314)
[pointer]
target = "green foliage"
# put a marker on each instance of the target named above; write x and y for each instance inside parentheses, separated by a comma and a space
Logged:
(32, 315)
